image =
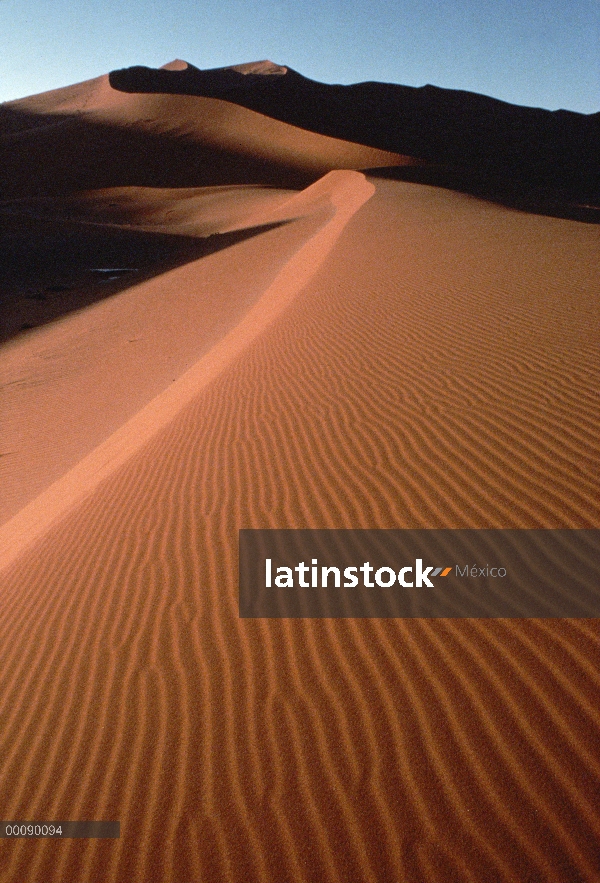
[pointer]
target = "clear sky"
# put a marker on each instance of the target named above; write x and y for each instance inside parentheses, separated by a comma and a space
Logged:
(542, 53)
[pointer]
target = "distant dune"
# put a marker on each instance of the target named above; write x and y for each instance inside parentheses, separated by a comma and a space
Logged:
(491, 138)
(225, 305)
(91, 135)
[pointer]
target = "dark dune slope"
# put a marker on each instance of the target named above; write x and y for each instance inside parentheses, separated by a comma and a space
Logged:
(439, 125)
(91, 136)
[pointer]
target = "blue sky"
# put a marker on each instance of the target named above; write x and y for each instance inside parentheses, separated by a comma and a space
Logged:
(536, 52)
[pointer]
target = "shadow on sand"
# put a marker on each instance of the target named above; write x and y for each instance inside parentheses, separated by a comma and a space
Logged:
(559, 202)
(48, 263)
(50, 267)
(49, 155)
(532, 159)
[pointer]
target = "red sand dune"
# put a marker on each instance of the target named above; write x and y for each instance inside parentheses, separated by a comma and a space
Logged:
(91, 135)
(363, 352)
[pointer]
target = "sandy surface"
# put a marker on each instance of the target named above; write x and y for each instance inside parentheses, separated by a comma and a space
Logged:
(369, 353)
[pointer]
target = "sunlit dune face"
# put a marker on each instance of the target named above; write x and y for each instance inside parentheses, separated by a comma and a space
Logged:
(176, 65)
(263, 68)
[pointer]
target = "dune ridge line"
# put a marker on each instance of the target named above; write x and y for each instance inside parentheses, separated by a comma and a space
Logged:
(346, 191)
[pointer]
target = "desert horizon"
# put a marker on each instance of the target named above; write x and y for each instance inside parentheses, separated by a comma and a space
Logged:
(239, 298)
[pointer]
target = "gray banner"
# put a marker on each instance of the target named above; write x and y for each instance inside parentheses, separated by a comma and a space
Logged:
(419, 573)
(60, 830)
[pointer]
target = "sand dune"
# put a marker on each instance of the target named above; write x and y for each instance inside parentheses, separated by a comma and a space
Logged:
(92, 136)
(367, 353)
(327, 206)
(457, 129)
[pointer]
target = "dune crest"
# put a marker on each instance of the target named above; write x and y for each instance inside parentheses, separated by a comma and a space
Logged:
(176, 65)
(336, 198)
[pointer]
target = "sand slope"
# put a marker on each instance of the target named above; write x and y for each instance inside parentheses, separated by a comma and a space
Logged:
(91, 135)
(376, 354)
(452, 127)
(96, 404)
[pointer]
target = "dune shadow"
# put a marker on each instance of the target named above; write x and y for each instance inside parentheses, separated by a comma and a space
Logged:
(50, 267)
(529, 158)
(569, 203)
(50, 154)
